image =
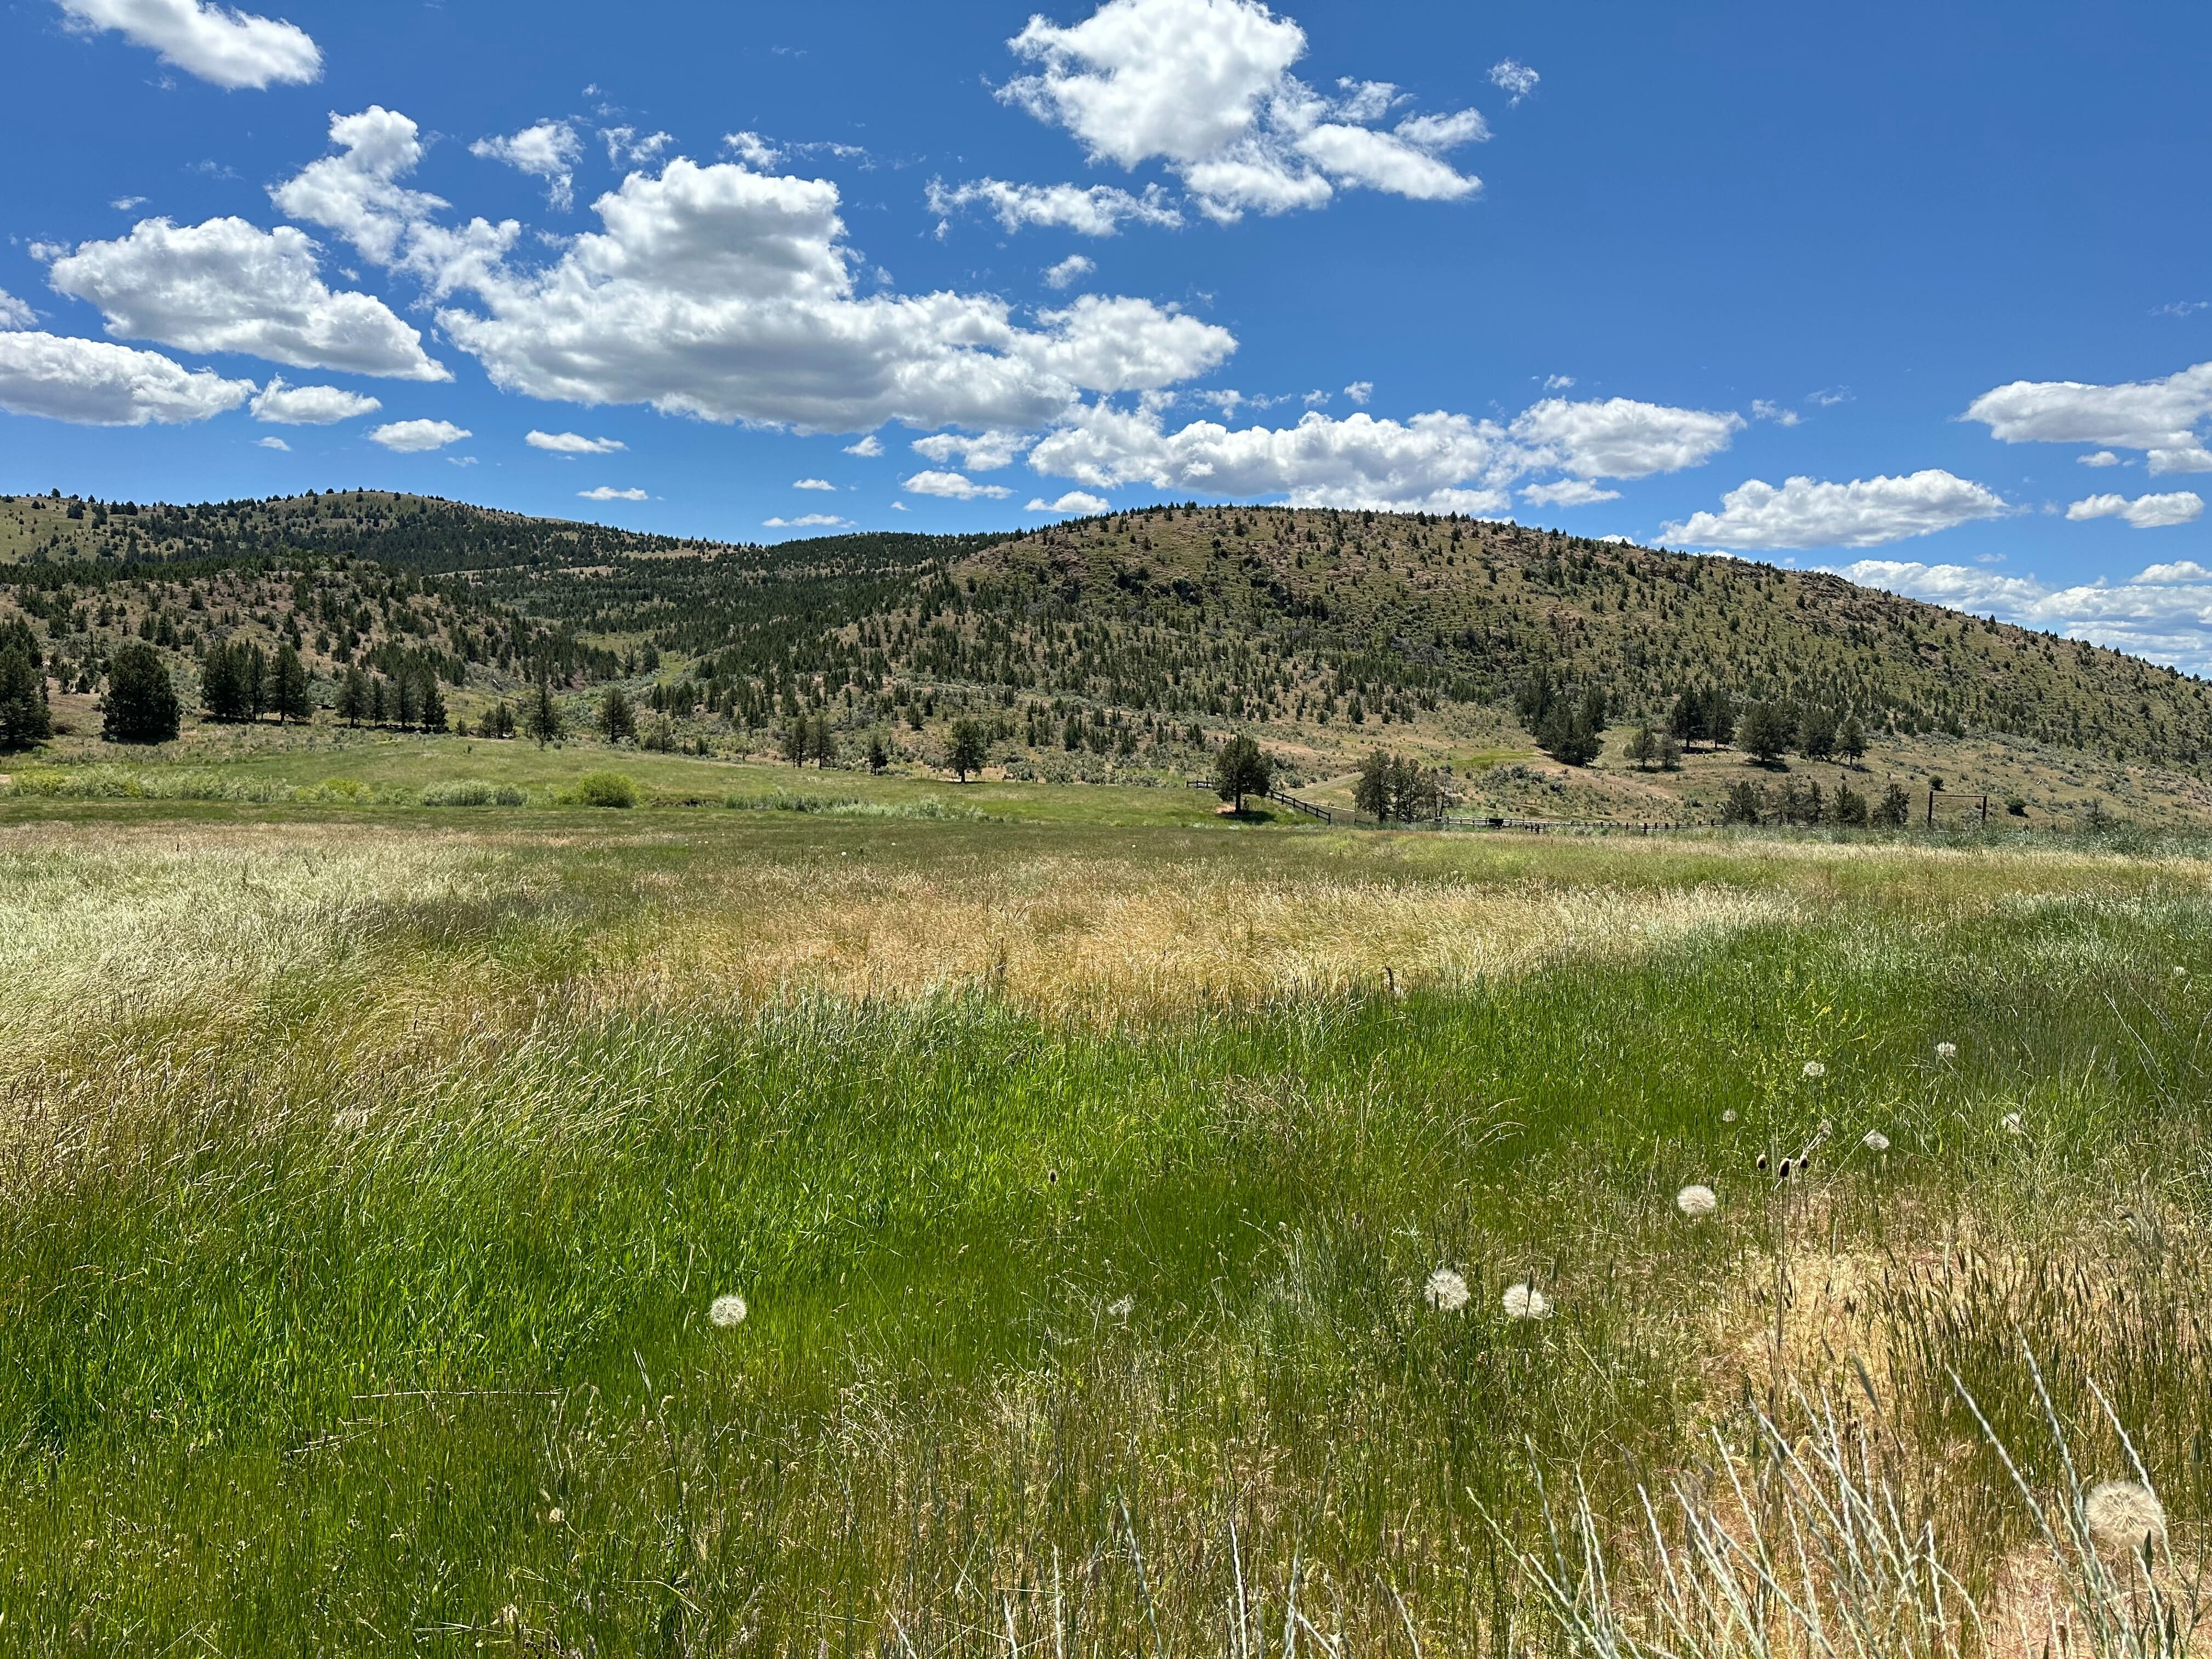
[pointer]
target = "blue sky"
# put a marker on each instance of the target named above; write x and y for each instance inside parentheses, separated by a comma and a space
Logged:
(1863, 292)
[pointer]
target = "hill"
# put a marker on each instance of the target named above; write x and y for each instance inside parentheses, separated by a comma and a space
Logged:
(1125, 644)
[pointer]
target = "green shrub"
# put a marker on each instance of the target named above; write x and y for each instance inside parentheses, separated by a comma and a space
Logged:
(603, 789)
(461, 792)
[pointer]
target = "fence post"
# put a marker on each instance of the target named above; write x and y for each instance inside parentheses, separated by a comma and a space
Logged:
(1931, 809)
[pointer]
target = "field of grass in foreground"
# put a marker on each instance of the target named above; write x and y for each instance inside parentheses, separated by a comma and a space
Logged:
(372, 1181)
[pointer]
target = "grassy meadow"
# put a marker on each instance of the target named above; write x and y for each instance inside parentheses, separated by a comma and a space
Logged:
(1099, 1181)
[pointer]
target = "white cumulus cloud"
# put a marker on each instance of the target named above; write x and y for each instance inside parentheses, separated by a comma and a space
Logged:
(231, 49)
(413, 437)
(986, 451)
(573, 443)
(1095, 210)
(94, 383)
(548, 150)
(1074, 501)
(2145, 512)
(1864, 513)
(954, 486)
(1621, 437)
(1205, 87)
(1068, 272)
(812, 483)
(229, 286)
(273, 443)
(2160, 417)
(13, 313)
(2163, 612)
(1567, 492)
(609, 493)
(805, 520)
(1519, 79)
(310, 405)
(871, 446)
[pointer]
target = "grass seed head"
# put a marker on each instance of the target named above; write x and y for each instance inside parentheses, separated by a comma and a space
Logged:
(1875, 1141)
(1695, 1201)
(2013, 1126)
(1946, 1051)
(1729, 1116)
(726, 1310)
(1814, 1069)
(1527, 1302)
(1445, 1291)
(2123, 1515)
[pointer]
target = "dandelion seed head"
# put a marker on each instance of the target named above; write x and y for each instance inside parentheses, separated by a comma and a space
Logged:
(726, 1310)
(1946, 1051)
(2180, 972)
(1445, 1291)
(1814, 1069)
(1694, 1201)
(1875, 1141)
(1122, 1309)
(2013, 1125)
(1729, 1116)
(2124, 1515)
(553, 1517)
(1527, 1302)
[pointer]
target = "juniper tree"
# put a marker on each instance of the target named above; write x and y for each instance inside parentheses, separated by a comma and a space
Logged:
(965, 752)
(141, 705)
(25, 718)
(1850, 739)
(617, 720)
(1242, 769)
(432, 706)
(541, 716)
(288, 682)
(1765, 731)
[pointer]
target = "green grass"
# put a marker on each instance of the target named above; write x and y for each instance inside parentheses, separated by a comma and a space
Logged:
(373, 1169)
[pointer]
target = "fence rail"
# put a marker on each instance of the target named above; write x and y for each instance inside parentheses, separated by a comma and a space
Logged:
(1335, 815)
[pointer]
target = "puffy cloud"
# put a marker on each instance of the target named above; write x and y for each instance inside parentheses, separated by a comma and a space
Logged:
(1098, 210)
(2163, 612)
(985, 453)
(1360, 391)
(1358, 462)
(413, 437)
(954, 486)
(2157, 417)
(1567, 492)
(1621, 438)
(2101, 458)
(310, 405)
(94, 383)
(1763, 408)
(725, 293)
(813, 483)
(1864, 513)
(753, 150)
(1518, 79)
(1205, 86)
(2145, 512)
(231, 49)
(1438, 462)
(549, 150)
(573, 443)
(229, 286)
(805, 520)
(357, 194)
(871, 446)
(609, 493)
(1066, 274)
(624, 145)
(1074, 501)
(273, 443)
(13, 313)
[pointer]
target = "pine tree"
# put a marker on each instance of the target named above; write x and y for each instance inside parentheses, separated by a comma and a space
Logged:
(541, 716)
(434, 705)
(1850, 740)
(617, 720)
(141, 705)
(965, 752)
(1643, 745)
(1242, 769)
(24, 717)
(223, 698)
(288, 687)
(1765, 731)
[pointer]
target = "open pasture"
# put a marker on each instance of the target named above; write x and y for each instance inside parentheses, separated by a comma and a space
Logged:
(1152, 1238)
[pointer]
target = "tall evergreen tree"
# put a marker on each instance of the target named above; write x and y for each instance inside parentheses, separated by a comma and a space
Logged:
(354, 706)
(141, 705)
(288, 682)
(966, 749)
(617, 720)
(1242, 769)
(434, 705)
(541, 716)
(24, 717)
(223, 696)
